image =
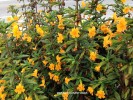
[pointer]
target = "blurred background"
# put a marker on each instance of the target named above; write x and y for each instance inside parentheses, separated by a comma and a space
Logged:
(5, 3)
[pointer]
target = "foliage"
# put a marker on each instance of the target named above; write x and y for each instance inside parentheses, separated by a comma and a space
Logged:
(71, 49)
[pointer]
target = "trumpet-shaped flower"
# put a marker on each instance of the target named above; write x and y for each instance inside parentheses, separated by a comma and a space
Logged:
(100, 94)
(81, 87)
(19, 88)
(99, 7)
(90, 90)
(92, 32)
(60, 38)
(75, 33)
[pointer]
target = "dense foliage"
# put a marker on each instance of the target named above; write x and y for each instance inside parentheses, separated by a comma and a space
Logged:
(71, 53)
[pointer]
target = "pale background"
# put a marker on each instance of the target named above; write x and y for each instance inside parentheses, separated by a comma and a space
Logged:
(5, 3)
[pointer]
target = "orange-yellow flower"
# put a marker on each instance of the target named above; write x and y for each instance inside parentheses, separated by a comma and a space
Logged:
(28, 98)
(3, 96)
(92, 32)
(123, 1)
(67, 80)
(23, 70)
(62, 51)
(31, 61)
(81, 87)
(97, 68)
(58, 58)
(74, 33)
(51, 66)
(99, 7)
(16, 33)
(83, 4)
(9, 19)
(0, 70)
(16, 18)
(93, 56)
(58, 66)
(65, 96)
(61, 26)
(26, 37)
(35, 73)
(43, 83)
(104, 29)
(51, 75)
(122, 25)
(107, 41)
(90, 90)
(56, 78)
(19, 88)
(100, 94)
(60, 38)
(2, 81)
(39, 30)
(2, 89)
(60, 19)
(45, 62)
(126, 10)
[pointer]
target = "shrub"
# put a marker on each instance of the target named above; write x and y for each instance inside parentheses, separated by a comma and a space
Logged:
(69, 53)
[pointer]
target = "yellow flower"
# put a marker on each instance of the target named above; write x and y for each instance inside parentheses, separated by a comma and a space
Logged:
(61, 26)
(19, 88)
(107, 41)
(35, 73)
(56, 78)
(28, 98)
(9, 19)
(81, 87)
(2, 88)
(65, 96)
(51, 75)
(67, 80)
(26, 37)
(90, 90)
(62, 51)
(126, 10)
(60, 18)
(104, 29)
(123, 1)
(31, 61)
(0, 70)
(122, 25)
(34, 48)
(2, 81)
(93, 56)
(3, 96)
(60, 38)
(16, 33)
(58, 67)
(83, 4)
(43, 82)
(58, 58)
(100, 94)
(99, 7)
(23, 70)
(45, 62)
(97, 68)
(51, 66)
(15, 18)
(39, 30)
(74, 33)
(92, 32)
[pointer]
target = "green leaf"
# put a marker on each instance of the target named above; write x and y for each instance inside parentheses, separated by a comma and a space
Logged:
(117, 96)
